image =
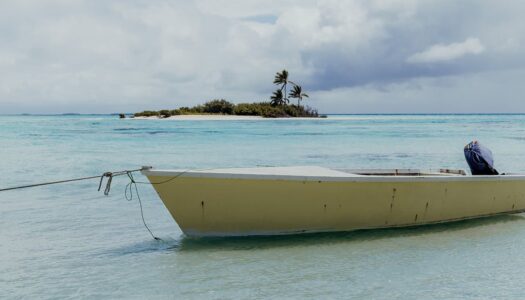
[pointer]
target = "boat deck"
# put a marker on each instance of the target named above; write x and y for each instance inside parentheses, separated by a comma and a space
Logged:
(310, 171)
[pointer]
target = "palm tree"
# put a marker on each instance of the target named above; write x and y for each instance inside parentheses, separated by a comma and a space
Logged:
(277, 98)
(297, 92)
(282, 79)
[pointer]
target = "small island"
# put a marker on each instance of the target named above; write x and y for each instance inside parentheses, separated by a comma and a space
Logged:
(278, 107)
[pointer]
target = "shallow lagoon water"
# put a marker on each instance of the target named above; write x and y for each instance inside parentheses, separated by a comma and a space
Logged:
(71, 241)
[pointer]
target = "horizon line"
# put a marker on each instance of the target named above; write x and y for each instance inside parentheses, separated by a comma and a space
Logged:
(332, 114)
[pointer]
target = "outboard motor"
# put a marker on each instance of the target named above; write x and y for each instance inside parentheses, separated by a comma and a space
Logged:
(479, 159)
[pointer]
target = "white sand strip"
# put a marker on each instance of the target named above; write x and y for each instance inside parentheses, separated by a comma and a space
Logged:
(202, 117)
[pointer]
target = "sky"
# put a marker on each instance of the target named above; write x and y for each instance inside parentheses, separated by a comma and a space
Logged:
(398, 56)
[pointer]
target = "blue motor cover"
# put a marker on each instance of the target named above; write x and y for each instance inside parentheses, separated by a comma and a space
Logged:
(479, 159)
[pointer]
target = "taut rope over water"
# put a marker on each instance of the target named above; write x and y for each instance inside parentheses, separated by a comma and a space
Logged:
(110, 175)
(128, 192)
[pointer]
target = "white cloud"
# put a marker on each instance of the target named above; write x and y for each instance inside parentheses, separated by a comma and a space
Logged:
(441, 53)
(107, 56)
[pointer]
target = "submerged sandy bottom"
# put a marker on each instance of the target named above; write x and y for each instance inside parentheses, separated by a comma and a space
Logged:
(71, 241)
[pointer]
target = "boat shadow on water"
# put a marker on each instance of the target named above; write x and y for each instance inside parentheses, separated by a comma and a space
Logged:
(192, 244)
(264, 242)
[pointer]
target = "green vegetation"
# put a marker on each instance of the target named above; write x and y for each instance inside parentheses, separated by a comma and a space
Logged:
(268, 110)
(278, 97)
(278, 107)
(297, 92)
(223, 107)
(147, 113)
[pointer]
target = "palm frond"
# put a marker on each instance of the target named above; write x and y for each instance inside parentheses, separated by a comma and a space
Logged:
(296, 91)
(278, 79)
(277, 97)
(284, 74)
(281, 77)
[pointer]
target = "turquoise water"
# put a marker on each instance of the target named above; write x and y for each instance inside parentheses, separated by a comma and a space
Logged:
(71, 241)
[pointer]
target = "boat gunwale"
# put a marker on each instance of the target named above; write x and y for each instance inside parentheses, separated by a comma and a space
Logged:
(350, 178)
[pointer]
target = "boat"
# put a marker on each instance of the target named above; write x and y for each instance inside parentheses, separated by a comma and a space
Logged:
(307, 199)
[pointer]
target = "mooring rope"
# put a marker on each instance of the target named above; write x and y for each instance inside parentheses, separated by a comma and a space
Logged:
(133, 184)
(167, 180)
(48, 183)
(128, 192)
(109, 175)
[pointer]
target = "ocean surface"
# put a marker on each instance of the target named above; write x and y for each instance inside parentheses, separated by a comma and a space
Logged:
(70, 241)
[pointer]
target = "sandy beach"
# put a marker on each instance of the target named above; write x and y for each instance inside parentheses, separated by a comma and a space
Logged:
(203, 118)
(218, 118)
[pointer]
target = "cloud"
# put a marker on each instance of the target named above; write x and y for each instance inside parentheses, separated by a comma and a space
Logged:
(442, 53)
(486, 92)
(108, 56)
(270, 19)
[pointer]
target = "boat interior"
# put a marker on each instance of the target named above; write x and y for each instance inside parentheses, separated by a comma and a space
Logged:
(405, 172)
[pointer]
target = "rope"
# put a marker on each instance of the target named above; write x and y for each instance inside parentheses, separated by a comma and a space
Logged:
(47, 183)
(110, 175)
(128, 191)
(129, 187)
(165, 181)
(107, 189)
(174, 177)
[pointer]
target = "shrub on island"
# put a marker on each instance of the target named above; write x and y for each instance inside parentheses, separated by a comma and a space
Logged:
(165, 113)
(223, 107)
(219, 107)
(147, 113)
